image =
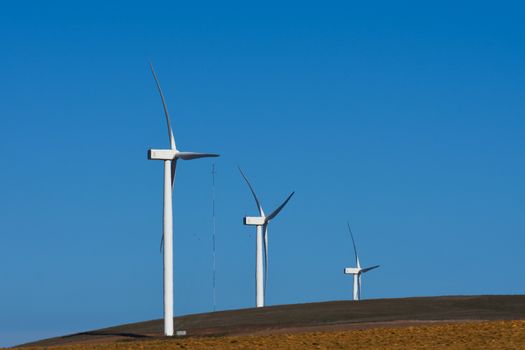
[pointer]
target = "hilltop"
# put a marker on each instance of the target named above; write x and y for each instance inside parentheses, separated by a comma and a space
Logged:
(325, 316)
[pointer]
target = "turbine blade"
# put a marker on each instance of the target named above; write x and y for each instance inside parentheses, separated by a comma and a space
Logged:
(193, 155)
(265, 242)
(173, 169)
(278, 210)
(259, 207)
(355, 248)
(170, 132)
(161, 243)
(369, 268)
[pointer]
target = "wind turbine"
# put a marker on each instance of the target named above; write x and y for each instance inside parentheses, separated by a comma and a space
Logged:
(261, 222)
(170, 157)
(357, 271)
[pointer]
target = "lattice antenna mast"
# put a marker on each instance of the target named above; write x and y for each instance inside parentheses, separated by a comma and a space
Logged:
(214, 228)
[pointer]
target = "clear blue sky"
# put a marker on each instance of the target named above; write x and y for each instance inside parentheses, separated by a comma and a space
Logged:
(406, 118)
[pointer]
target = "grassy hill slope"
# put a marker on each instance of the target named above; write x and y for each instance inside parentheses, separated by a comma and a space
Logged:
(314, 316)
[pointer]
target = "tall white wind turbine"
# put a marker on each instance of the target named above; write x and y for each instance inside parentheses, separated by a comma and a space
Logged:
(261, 222)
(358, 270)
(170, 157)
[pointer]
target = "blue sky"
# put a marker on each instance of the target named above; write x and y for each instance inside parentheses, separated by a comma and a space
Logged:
(405, 118)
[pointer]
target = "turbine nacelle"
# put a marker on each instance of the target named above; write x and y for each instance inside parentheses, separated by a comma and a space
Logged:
(254, 220)
(162, 154)
(352, 271)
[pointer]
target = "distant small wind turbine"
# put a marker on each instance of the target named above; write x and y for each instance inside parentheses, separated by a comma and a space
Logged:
(357, 271)
(261, 222)
(170, 157)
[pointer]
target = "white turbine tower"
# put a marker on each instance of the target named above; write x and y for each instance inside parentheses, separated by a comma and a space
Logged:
(261, 222)
(170, 157)
(357, 271)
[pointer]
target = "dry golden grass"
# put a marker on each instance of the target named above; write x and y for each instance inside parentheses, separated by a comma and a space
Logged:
(495, 335)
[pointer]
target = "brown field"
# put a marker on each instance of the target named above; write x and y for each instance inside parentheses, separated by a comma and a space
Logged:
(449, 322)
(485, 335)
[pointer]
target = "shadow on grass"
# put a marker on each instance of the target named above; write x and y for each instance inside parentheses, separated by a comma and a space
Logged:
(109, 334)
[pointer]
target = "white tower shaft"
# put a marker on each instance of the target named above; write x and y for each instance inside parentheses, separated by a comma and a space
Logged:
(359, 286)
(356, 287)
(259, 273)
(168, 250)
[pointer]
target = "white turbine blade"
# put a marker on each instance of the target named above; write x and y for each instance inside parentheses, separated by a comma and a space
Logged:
(173, 169)
(355, 248)
(265, 242)
(259, 207)
(278, 210)
(193, 155)
(170, 132)
(369, 268)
